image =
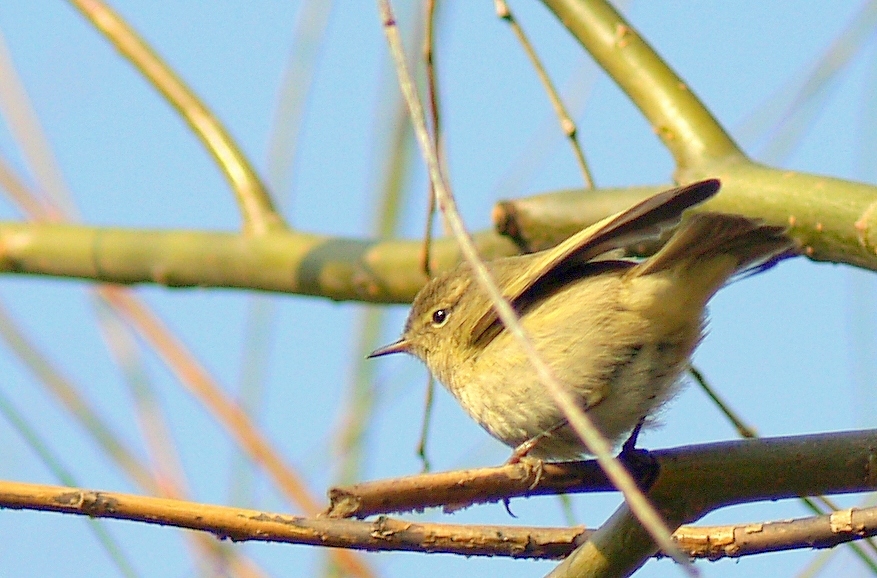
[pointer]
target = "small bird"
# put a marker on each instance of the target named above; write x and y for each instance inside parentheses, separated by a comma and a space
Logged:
(617, 333)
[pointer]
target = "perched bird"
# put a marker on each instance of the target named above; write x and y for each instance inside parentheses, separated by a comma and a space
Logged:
(616, 333)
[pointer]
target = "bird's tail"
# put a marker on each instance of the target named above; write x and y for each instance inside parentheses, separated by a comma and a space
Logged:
(709, 248)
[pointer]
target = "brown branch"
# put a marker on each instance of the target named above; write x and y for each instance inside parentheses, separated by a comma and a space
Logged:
(459, 489)
(827, 531)
(240, 525)
(711, 475)
(386, 534)
(700, 479)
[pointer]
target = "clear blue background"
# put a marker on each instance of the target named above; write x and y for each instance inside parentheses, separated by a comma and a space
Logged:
(792, 349)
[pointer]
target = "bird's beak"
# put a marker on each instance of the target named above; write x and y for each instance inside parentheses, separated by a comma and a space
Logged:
(400, 346)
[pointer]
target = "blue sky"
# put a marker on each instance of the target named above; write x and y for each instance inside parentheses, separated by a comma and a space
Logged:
(792, 349)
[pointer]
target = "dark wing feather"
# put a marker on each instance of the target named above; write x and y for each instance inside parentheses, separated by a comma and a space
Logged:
(547, 285)
(642, 221)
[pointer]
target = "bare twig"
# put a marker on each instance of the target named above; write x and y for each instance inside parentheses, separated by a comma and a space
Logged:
(459, 489)
(567, 124)
(383, 534)
(230, 415)
(714, 542)
(578, 419)
(743, 429)
(435, 119)
(428, 399)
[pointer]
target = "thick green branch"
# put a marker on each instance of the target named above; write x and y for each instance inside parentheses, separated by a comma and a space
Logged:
(832, 220)
(337, 268)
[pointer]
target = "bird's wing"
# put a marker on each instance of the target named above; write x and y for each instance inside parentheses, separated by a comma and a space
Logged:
(642, 221)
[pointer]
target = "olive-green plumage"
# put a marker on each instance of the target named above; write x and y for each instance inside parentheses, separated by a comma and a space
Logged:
(616, 333)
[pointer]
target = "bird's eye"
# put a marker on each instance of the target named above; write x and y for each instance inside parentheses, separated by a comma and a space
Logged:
(439, 317)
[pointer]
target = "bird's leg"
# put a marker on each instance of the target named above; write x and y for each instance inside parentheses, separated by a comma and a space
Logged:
(639, 462)
(520, 455)
(630, 445)
(525, 448)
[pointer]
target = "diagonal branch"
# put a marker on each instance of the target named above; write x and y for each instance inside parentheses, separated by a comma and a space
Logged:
(257, 208)
(678, 117)
(701, 480)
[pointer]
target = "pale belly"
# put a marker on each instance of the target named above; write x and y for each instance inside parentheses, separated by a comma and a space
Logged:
(619, 366)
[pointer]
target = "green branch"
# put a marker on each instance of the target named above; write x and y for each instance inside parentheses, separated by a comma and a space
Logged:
(831, 219)
(337, 268)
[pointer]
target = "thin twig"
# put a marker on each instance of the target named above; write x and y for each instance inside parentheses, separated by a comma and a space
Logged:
(435, 118)
(686, 127)
(233, 419)
(739, 540)
(99, 431)
(857, 547)
(580, 422)
(68, 396)
(54, 464)
(424, 426)
(744, 430)
(59, 207)
(51, 197)
(567, 124)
